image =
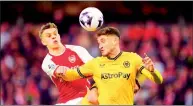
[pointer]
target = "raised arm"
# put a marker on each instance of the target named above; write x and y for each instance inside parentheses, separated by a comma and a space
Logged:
(146, 67)
(154, 76)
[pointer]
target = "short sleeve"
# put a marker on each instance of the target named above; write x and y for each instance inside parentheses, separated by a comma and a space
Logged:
(88, 68)
(48, 66)
(82, 52)
(138, 62)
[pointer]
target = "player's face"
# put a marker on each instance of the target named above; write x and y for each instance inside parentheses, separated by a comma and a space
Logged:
(106, 44)
(51, 38)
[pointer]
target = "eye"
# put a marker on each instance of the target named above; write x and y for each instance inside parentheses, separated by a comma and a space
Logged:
(102, 40)
(49, 36)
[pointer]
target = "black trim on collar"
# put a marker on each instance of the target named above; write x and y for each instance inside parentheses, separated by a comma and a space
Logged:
(116, 57)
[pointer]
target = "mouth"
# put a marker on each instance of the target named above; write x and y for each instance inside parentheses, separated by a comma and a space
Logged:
(55, 41)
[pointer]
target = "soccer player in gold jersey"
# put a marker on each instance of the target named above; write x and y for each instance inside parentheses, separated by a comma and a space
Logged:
(115, 71)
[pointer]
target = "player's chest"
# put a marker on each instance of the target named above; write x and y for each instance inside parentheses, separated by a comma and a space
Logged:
(123, 65)
(115, 70)
(69, 58)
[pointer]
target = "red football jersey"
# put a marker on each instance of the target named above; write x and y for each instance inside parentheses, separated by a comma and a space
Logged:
(73, 56)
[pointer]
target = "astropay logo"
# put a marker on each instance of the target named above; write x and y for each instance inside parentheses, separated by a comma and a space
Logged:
(115, 75)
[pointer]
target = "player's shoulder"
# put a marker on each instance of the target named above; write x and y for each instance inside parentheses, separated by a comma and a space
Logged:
(100, 58)
(130, 54)
(48, 65)
(47, 60)
(75, 47)
(81, 51)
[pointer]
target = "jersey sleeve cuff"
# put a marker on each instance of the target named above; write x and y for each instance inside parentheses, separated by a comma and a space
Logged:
(91, 81)
(93, 87)
(141, 68)
(78, 70)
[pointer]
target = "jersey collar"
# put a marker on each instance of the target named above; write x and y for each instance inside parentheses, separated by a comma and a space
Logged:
(116, 57)
(58, 54)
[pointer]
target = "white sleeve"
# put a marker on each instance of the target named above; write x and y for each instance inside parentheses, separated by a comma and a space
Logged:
(49, 66)
(82, 52)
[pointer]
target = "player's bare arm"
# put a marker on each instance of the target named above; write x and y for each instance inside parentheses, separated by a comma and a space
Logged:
(92, 92)
(93, 95)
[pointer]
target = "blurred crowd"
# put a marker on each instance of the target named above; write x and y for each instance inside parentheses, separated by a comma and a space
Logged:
(169, 45)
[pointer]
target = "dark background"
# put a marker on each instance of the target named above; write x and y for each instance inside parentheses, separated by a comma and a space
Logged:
(123, 12)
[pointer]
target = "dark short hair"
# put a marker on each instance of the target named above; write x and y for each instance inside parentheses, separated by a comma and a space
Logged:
(108, 31)
(46, 26)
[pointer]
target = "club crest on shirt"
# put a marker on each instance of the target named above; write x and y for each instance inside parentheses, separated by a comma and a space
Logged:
(126, 64)
(72, 58)
(51, 66)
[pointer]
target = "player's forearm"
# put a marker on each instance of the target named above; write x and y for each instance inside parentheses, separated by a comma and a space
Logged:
(157, 77)
(93, 95)
(74, 74)
(71, 75)
(66, 74)
(154, 76)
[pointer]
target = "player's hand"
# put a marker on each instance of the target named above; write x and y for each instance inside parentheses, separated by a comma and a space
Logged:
(148, 63)
(60, 71)
(92, 96)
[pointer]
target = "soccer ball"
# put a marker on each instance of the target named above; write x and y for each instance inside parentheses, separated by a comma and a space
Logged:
(91, 18)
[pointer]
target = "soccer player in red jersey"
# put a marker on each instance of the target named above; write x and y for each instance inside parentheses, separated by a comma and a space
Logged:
(69, 56)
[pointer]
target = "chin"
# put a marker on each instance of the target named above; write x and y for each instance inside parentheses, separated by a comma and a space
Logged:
(104, 54)
(55, 45)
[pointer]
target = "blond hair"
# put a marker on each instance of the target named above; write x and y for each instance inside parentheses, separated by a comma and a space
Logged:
(46, 26)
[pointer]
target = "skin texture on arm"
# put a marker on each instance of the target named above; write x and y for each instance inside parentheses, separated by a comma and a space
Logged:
(92, 92)
(93, 95)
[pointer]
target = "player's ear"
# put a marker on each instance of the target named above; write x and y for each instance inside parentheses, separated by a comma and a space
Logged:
(59, 35)
(115, 40)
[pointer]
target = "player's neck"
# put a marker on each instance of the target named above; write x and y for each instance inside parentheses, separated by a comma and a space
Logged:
(57, 50)
(114, 53)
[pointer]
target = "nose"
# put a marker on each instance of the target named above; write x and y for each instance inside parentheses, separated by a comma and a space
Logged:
(100, 47)
(53, 37)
